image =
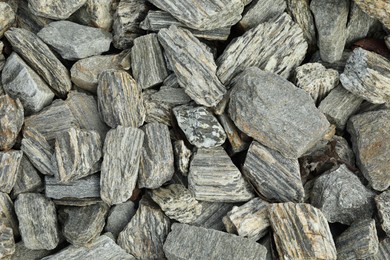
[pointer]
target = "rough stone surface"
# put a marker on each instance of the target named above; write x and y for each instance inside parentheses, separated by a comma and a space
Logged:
(378, 9)
(57, 10)
(119, 216)
(331, 23)
(342, 197)
(22, 252)
(146, 232)
(370, 142)
(7, 242)
(37, 221)
(383, 250)
(22, 82)
(200, 127)
(359, 24)
(95, 13)
(213, 177)
(7, 18)
(277, 47)
(301, 232)
(27, 178)
(9, 162)
(274, 176)
(7, 213)
(237, 144)
(156, 111)
(119, 99)
(157, 162)
(28, 20)
(189, 242)
(382, 202)
(121, 158)
(212, 215)
(11, 121)
(182, 157)
(367, 75)
(276, 113)
(193, 65)
(41, 59)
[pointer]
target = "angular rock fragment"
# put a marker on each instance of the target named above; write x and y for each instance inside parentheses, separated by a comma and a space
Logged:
(189, 242)
(359, 24)
(37, 221)
(382, 202)
(200, 127)
(76, 152)
(237, 144)
(101, 248)
(119, 99)
(316, 80)
(203, 14)
(182, 157)
(301, 232)
(276, 113)
(212, 215)
(249, 220)
(171, 96)
(157, 163)
(146, 232)
(7, 19)
(177, 202)
(379, 9)
(22, 252)
(7, 242)
(193, 65)
(359, 241)
(213, 177)
(95, 13)
(147, 61)
(156, 111)
(367, 75)
(259, 12)
(339, 105)
(28, 20)
(7, 214)
(88, 187)
(9, 162)
(331, 23)
(277, 47)
(11, 121)
(274, 176)
(83, 224)
(119, 216)
(127, 17)
(156, 20)
(121, 158)
(22, 82)
(27, 179)
(370, 142)
(54, 9)
(342, 197)
(41, 59)
(383, 250)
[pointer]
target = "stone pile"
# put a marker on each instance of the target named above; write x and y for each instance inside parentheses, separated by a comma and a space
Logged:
(194, 129)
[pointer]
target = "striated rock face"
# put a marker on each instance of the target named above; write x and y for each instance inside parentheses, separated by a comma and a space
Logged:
(276, 113)
(95, 13)
(53, 9)
(370, 141)
(359, 23)
(27, 178)
(379, 9)
(301, 232)
(7, 242)
(9, 162)
(382, 202)
(7, 213)
(182, 157)
(119, 216)
(193, 65)
(277, 47)
(7, 18)
(203, 14)
(11, 121)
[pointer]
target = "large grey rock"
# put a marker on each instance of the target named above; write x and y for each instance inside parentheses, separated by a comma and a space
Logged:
(370, 137)
(7, 242)
(22, 82)
(277, 47)
(189, 242)
(119, 216)
(57, 10)
(276, 113)
(7, 213)
(37, 221)
(383, 250)
(11, 121)
(359, 24)
(27, 178)
(28, 20)
(22, 252)
(7, 19)
(95, 13)
(331, 23)
(378, 9)
(9, 162)
(73, 41)
(382, 202)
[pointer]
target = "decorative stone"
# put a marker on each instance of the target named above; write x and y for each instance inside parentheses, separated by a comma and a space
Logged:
(7, 214)
(157, 163)
(359, 24)
(156, 111)
(212, 214)
(171, 96)
(382, 202)
(200, 127)
(41, 59)
(177, 202)
(9, 162)
(237, 144)
(7, 18)
(277, 47)
(53, 9)
(292, 125)
(23, 83)
(119, 216)
(22, 252)
(7, 242)
(370, 142)
(379, 9)
(383, 250)
(193, 65)
(27, 178)
(213, 177)
(367, 75)
(95, 13)
(359, 241)
(119, 99)
(11, 121)
(26, 19)
(182, 156)
(121, 158)
(301, 232)
(274, 176)
(37, 221)
(189, 242)
(146, 232)
(83, 224)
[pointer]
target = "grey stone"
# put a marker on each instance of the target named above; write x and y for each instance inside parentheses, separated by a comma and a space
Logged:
(200, 127)
(53, 9)
(73, 41)
(383, 250)
(7, 213)
(237, 144)
(28, 20)
(119, 216)
(189, 242)
(337, 65)
(331, 23)
(7, 242)
(382, 202)
(9, 161)
(11, 114)
(22, 252)
(22, 82)
(156, 111)
(172, 96)
(95, 13)
(182, 157)
(37, 221)
(277, 47)
(212, 215)
(379, 9)
(359, 24)
(27, 178)
(7, 19)
(276, 113)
